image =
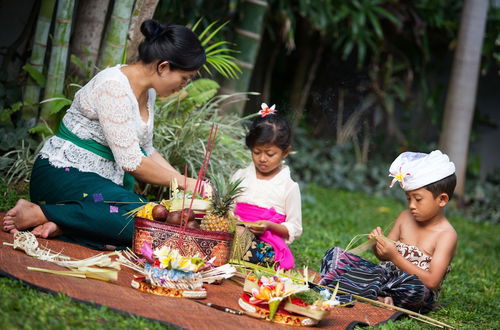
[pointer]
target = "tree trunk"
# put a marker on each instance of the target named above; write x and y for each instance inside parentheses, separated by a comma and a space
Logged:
(59, 54)
(303, 95)
(461, 96)
(143, 10)
(116, 34)
(89, 28)
(248, 37)
(31, 96)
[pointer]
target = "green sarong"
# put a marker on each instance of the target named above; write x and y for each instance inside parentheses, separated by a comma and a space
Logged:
(97, 148)
(86, 206)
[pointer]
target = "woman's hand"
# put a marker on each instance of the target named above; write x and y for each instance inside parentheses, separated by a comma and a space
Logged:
(190, 183)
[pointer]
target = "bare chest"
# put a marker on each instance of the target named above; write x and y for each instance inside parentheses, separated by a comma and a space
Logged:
(424, 239)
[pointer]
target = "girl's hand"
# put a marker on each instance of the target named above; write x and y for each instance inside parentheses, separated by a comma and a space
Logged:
(259, 227)
(385, 250)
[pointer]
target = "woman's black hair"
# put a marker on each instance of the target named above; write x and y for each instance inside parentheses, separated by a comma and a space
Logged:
(271, 129)
(176, 44)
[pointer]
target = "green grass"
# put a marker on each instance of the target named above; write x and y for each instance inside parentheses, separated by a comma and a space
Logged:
(468, 300)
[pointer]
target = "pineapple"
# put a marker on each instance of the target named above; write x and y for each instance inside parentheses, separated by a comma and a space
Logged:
(218, 216)
(146, 211)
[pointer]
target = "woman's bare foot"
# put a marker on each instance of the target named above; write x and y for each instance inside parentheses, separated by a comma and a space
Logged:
(47, 230)
(22, 216)
(388, 301)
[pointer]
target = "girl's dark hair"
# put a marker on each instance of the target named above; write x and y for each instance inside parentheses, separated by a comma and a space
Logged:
(272, 129)
(176, 44)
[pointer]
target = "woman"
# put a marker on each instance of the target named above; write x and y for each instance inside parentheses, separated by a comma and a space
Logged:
(82, 181)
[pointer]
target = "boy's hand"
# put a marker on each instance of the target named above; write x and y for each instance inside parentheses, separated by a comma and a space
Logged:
(376, 232)
(259, 227)
(385, 250)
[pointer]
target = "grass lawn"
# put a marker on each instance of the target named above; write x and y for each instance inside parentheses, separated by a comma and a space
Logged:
(469, 298)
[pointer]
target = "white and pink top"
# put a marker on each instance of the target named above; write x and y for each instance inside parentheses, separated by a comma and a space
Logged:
(278, 200)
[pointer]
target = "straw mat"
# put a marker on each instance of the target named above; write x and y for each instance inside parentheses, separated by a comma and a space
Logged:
(180, 312)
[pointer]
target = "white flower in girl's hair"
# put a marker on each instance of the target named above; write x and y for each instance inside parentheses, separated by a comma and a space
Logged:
(265, 110)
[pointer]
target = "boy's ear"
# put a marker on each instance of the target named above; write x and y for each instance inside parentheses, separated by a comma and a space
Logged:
(443, 199)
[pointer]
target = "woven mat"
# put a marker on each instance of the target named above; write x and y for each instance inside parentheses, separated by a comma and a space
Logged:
(180, 312)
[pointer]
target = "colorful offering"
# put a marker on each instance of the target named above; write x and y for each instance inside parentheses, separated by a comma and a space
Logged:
(165, 271)
(283, 299)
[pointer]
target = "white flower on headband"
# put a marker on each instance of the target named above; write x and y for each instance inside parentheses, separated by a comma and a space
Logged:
(400, 176)
(266, 110)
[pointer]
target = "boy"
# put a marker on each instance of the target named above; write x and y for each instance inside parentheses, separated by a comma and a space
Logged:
(419, 248)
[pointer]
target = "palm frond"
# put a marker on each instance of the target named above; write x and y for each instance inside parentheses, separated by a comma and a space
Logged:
(217, 52)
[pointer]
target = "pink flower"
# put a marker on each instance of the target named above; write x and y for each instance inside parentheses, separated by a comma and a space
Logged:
(147, 251)
(265, 110)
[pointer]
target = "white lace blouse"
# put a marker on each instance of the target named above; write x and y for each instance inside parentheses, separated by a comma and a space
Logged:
(280, 192)
(106, 111)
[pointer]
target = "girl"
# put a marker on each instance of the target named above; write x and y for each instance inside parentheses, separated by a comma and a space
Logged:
(105, 141)
(270, 199)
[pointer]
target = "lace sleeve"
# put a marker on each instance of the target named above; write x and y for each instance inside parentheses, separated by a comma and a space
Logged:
(115, 110)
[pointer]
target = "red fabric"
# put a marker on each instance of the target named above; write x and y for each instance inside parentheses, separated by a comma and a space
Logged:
(183, 313)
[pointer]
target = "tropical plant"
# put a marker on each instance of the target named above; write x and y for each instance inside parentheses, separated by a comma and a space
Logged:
(218, 52)
(183, 123)
(17, 150)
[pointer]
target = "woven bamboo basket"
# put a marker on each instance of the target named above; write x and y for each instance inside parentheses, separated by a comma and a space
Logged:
(189, 241)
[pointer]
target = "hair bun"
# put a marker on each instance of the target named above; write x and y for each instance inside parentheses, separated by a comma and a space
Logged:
(151, 29)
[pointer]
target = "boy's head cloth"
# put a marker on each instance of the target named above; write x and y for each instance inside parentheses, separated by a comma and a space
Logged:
(415, 170)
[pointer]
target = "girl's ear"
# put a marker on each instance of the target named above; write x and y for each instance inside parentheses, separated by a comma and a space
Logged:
(443, 199)
(287, 151)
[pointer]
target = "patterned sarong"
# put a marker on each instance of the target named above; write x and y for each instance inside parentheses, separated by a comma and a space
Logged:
(364, 278)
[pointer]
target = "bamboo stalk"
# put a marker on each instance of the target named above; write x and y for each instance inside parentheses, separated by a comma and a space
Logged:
(425, 321)
(116, 33)
(59, 56)
(32, 89)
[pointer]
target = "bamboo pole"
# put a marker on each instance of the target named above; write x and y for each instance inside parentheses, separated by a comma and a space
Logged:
(59, 56)
(31, 95)
(116, 34)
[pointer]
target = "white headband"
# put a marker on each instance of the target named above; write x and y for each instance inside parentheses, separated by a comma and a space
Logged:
(415, 170)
